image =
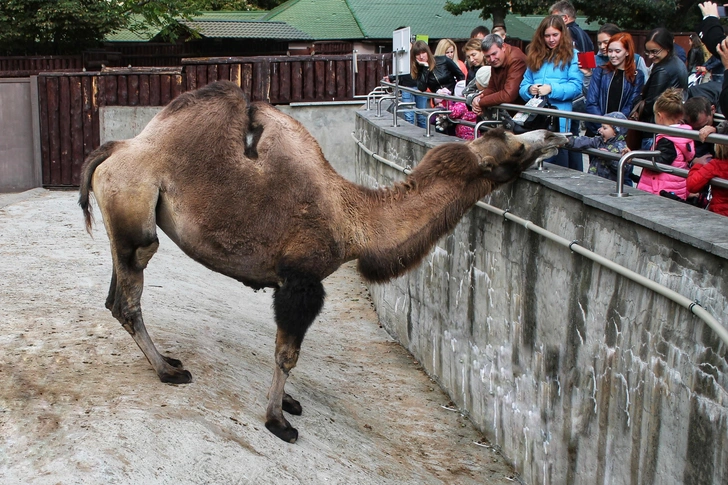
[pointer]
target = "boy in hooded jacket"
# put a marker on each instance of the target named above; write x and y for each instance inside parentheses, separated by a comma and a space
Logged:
(611, 138)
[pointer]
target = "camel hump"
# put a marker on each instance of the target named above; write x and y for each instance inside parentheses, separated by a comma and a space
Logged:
(219, 92)
(281, 137)
(215, 115)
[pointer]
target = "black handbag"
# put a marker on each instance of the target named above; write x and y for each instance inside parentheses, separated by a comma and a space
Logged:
(524, 122)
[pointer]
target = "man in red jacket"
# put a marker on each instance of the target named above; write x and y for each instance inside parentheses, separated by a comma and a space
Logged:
(508, 63)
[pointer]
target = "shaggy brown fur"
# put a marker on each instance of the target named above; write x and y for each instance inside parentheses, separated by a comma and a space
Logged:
(271, 212)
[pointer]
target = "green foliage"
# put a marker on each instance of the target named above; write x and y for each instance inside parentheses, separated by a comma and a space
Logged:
(30, 27)
(53, 26)
(643, 14)
(498, 9)
(632, 14)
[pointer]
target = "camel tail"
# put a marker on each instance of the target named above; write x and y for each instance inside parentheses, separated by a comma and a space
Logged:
(94, 159)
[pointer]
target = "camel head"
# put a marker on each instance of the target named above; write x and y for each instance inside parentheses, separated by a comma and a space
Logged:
(503, 155)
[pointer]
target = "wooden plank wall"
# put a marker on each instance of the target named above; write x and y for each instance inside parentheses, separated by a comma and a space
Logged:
(32, 65)
(69, 113)
(290, 79)
(69, 102)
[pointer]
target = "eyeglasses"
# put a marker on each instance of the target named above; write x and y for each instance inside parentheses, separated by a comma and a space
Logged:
(653, 52)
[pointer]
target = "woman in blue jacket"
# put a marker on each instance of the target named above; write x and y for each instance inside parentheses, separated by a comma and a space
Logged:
(552, 70)
(616, 85)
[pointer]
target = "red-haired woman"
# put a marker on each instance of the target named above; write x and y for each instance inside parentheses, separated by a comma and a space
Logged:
(552, 70)
(616, 85)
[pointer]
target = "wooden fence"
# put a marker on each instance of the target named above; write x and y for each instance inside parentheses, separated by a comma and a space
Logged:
(25, 66)
(69, 103)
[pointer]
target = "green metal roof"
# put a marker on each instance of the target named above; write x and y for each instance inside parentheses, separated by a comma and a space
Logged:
(346, 20)
(253, 29)
(322, 19)
(379, 18)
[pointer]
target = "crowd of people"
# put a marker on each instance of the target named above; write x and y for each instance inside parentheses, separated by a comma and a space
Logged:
(560, 66)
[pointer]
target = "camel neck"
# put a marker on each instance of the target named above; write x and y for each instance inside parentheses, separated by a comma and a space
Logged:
(403, 222)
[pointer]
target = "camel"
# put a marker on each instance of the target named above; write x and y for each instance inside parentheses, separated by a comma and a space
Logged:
(246, 191)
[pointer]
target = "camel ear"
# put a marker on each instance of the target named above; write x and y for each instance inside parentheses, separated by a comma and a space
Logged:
(498, 172)
(486, 163)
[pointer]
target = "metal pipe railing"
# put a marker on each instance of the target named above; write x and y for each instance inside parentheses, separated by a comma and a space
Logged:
(620, 169)
(395, 111)
(375, 94)
(379, 103)
(428, 126)
(479, 124)
(637, 125)
(691, 305)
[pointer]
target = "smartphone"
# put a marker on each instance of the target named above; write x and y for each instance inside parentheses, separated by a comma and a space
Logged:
(721, 11)
(587, 60)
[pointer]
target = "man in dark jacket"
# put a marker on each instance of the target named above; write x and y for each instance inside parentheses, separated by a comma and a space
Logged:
(582, 41)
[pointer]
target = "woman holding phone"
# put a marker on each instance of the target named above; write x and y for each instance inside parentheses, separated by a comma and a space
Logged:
(617, 84)
(552, 70)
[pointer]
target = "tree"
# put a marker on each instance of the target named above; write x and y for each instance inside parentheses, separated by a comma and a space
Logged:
(69, 26)
(633, 14)
(498, 9)
(52, 26)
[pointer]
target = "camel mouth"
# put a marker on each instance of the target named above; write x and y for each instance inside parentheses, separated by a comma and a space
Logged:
(542, 144)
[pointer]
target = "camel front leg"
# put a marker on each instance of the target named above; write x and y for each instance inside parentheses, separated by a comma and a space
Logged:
(295, 304)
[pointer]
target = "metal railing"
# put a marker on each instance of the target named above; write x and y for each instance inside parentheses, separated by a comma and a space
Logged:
(692, 305)
(631, 158)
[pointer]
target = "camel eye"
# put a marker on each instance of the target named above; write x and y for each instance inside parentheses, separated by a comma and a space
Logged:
(521, 150)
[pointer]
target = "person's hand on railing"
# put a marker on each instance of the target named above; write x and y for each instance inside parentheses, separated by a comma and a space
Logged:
(476, 105)
(705, 131)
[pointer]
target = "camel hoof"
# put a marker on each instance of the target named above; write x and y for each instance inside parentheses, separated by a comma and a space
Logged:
(173, 362)
(178, 376)
(288, 433)
(291, 406)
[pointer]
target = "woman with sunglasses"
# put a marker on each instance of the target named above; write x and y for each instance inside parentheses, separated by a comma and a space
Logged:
(668, 71)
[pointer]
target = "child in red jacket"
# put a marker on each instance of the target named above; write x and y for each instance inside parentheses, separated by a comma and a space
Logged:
(701, 173)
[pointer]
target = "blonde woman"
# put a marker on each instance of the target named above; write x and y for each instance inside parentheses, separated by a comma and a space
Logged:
(447, 48)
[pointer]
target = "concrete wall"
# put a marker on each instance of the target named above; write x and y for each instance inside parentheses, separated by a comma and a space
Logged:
(330, 124)
(20, 165)
(577, 374)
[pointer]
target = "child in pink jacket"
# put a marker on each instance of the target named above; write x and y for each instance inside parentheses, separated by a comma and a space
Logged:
(674, 150)
(461, 111)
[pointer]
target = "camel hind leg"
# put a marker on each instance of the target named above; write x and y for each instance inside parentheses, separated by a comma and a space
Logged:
(133, 239)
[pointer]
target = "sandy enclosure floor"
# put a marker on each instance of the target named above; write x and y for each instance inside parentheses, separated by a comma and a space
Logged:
(79, 403)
